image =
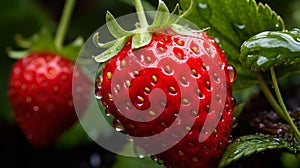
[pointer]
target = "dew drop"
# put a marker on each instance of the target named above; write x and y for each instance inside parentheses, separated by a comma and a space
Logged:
(232, 73)
(154, 157)
(138, 151)
(239, 26)
(98, 96)
(217, 40)
(107, 113)
(202, 5)
(118, 126)
(129, 138)
(205, 10)
(233, 101)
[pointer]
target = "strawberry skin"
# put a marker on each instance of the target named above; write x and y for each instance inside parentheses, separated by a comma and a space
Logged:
(40, 95)
(127, 87)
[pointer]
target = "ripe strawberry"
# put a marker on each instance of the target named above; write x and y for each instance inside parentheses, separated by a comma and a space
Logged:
(40, 94)
(169, 88)
(161, 64)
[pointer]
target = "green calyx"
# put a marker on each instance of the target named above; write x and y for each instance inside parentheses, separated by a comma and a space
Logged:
(43, 41)
(142, 35)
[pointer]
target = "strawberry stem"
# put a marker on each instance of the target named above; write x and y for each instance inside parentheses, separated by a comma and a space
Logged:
(281, 102)
(141, 14)
(269, 96)
(64, 23)
(279, 108)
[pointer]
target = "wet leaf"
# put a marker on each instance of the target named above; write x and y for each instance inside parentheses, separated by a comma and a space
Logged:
(250, 144)
(231, 23)
(271, 48)
(124, 161)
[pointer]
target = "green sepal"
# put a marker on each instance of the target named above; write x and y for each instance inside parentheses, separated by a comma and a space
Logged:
(162, 15)
(177, 14)
(187, 31)
(250, 144)
(17, 54)
(43, 41)
(112, 51)
(141, 39)
(174, 16)
(102, 45)
(187, 11)
(114, 28)
(271, 48)
(141, 36)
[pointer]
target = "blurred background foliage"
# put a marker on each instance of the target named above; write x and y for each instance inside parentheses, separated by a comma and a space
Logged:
(26, 17)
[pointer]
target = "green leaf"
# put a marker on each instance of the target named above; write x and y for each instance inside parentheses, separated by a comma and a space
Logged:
(250, 144)
(124, 161)
(112, 51)
(231, 23)
(114, 28)
(141, 39)
(73, 137)
(239, 109)
(271, 48)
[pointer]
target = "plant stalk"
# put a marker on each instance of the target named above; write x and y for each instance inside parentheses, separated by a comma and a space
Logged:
(64, 23)
(281, 102)
(269, 96)
(140, 12)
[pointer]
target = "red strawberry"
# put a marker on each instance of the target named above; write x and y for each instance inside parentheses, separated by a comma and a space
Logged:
(169, 88)
(128, 89)
(40, 94)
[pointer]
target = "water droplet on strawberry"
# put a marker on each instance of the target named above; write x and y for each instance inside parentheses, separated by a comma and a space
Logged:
(118, 125)
(129, 138)
(138, 151)
(234, 122)
(233, 101)
(98, 96)
(232, 73)
(107, 113)
(154, 157)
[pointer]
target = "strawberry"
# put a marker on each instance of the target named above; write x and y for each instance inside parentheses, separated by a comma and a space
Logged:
(177, 85)
(40, 94)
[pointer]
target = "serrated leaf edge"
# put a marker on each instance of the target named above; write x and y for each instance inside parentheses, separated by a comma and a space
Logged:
(280, 143)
